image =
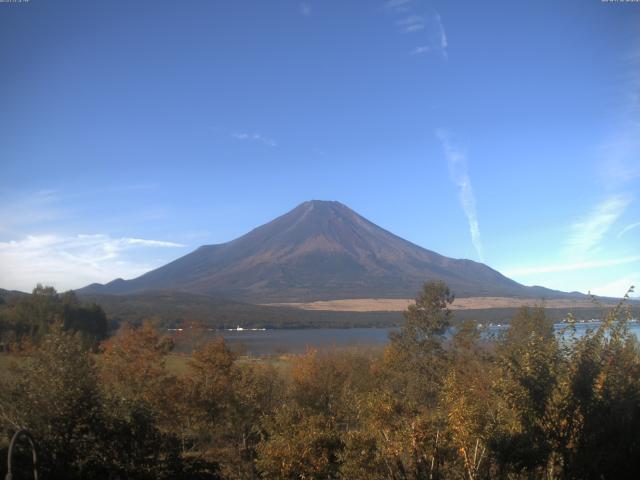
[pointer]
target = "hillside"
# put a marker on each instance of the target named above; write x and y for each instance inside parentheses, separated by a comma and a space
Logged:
(173, 308)
(320, 251)
(7, 295)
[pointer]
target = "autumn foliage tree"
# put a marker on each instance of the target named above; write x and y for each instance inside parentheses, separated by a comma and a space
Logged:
(443, 400)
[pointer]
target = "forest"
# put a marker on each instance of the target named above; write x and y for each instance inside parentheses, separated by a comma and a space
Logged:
(529, 403)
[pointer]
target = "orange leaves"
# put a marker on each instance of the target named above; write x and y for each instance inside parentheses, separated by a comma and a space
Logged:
(214, 355)
(132, 362)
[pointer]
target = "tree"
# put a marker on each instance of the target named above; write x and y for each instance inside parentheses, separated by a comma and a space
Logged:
(258, 390)
(89, 319)
(415, 354)
(602, 407)
(30, 317)
(209, 399)
(466, 401)
(133, 362)
(134, 385)
(318, 431)
(55, 396)
(529, 369)
(300, 445)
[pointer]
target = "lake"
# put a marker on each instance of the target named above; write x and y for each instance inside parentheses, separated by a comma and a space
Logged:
(269, 342)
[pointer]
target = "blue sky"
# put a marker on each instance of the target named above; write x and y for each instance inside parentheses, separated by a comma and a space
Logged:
(505, 132)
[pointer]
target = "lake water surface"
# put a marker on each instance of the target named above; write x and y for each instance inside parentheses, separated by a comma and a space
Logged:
(269, 342)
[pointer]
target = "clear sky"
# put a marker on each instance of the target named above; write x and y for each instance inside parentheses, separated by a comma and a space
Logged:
(508, 132)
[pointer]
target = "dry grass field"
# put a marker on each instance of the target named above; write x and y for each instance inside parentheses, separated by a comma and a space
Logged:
(398, 305)
(6, 362)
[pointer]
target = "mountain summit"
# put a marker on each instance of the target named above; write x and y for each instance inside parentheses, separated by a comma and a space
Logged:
(320, 250)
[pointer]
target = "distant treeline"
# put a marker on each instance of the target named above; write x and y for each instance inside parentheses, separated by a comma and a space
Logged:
(172, 309)
(504, 315)
(29, 317)
(527, 405)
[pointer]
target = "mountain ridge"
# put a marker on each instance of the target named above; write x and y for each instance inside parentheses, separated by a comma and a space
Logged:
(320, 250)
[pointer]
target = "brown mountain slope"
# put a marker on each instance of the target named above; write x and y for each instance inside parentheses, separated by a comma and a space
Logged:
(318, 251)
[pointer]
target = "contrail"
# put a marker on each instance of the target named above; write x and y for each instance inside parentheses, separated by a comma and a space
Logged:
(460, 177)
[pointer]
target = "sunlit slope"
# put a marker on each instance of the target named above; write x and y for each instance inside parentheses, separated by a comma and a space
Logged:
(320, 251)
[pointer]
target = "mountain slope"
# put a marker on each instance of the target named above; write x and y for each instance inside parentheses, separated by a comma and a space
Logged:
(320, 250)
(7, 295)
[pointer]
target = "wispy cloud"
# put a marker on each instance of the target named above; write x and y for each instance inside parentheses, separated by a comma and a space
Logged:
(147, 243)
(618, 287)
(399, 6)
(72, 261)
(305, 9)
(628, 228)
(412, 23)
(428, 27)
(437, 38)
(459, 174)
(586, 234)
(26, 209)
(421, 50)
(255, 137)
(567, 267)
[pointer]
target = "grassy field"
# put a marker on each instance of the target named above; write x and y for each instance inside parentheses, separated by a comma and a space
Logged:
(6, 360)
(176, 364)
(467, 303)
